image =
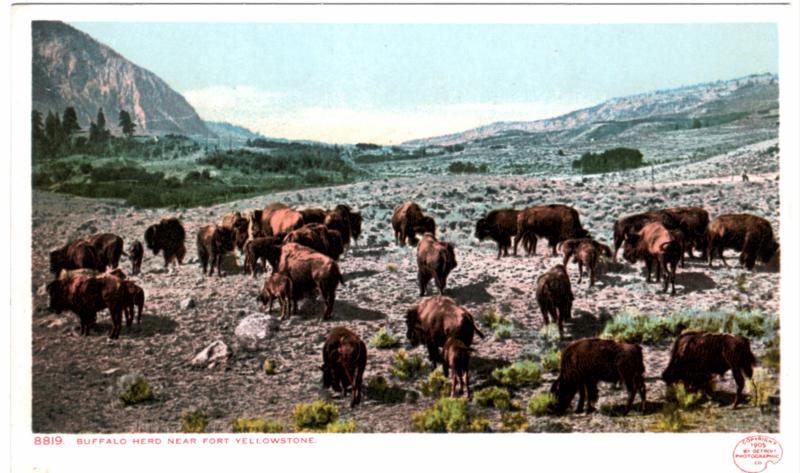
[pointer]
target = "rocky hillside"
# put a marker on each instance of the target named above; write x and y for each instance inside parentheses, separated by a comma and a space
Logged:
(70, 68)
(721, 100)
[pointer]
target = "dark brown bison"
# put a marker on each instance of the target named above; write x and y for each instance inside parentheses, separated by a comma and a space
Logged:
(568, 247)
(254, 229)
(213, 242)
(432, 320)
(313, 215)
(278, 287)
(109, 248)
(318, 237)
(345, 221)
(751, 235)
(554, 222)
(344, 359)
(634, 223)
(310, 271)
(74, 255)
(693, 222)
(435, 259)
(656, 246)
(408, 220)
(554, 296)
(134, 299)
(168, 236)
(136, 254)
(265, 249)
(239, 225)
(87, 295)
(456, 365)
(589, 360)
(697, 356)
(500, 226)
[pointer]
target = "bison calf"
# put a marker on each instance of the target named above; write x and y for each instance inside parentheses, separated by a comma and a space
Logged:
(435, 259)
(456, 366)
(136, 254)
(656, 246)
(344, 359)
(587, 252)
(435, 319)
(263, 249)
(278, 286)
(134, 299)
(589, 360)
(696, 356)
(213, 242)
(554, 296)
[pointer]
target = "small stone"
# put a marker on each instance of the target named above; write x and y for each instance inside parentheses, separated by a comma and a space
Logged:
(188, 303)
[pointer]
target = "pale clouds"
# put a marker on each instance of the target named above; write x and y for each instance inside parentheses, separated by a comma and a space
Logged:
(267, 113)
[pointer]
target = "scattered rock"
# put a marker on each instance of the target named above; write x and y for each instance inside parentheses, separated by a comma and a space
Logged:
(255, 330)
(188, 303)
(212, 355)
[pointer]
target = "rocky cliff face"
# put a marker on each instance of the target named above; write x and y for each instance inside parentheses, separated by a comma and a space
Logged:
(70, 68)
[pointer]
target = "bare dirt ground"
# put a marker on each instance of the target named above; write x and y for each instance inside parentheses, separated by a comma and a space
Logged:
(75, 378)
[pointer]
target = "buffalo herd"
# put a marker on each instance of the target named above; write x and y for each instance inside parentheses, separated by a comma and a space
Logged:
(303, 247)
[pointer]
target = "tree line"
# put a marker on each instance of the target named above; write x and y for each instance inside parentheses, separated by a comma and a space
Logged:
(58, 135)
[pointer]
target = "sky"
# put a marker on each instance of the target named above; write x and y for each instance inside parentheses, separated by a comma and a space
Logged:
(348, 83)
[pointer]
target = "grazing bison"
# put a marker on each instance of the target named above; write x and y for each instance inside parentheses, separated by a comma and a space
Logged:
(408, 220)
(693, 222)
(278, 220)
(435, 259)
(554, 296)
(568, 247)
(345, 221)
(310, 271)
(74, 255)
(318, 237)
(239, 225)
(87, 295)
(589, 360)
(554, 222)
(432, 320)
(278, 286)
(344, 358)
(136, 254)
(134, 299)
(168, 236)
(499, 225)
(634, 223)
(656, 245)
(587, 255)
(456, 365)
(109, 249)
(213, 242)
(751, 235)
(266, 249)
(696, 356)
(313, 215)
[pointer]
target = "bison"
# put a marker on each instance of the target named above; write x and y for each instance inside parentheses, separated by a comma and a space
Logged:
(87, 295)
(696, 356)
(432, 320)
(266, 249)
(345, 221)
(693, 222)
(318, 237)
(500, 226)
(456, 365)
(554, 296)
(749, 234)
(136, 254)
(313, 215)
(168, 236)
(589, 360)
(213, 242)
(344, 358)
(278, 286)
(134, 299)
(109, 248)
(278, 220)
(74, 255)
(239, 225)
(656, 245)
(408, 220)
(309, 271)
(554, 222)
(634, 223)
(435, 259)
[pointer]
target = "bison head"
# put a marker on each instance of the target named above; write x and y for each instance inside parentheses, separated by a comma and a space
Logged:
(58, 301)
(335, 246)
(563, 394)
(150, 239)
(768, 250)
(426, 225)
(482, 229)
(327, 375)
(413, 328)
(670, 374)
(630, 248)
(224, 240)
(355, 225)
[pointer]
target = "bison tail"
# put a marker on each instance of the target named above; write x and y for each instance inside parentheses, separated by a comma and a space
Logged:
(477, 330)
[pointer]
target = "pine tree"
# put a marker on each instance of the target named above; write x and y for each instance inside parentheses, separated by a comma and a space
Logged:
(126, 123)
(38, 139)
(55, 139)
(70, 121)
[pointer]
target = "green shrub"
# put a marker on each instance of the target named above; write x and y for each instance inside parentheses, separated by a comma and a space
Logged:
(761, 387)
(342, 427)
(549, 335)
(258, 425)
(686, 399)
(314, 417)
(437, 385)
(541, 404)
(384, 339)
(405, 367)
(772, 359)
(494, 319)
(503, 332)
(741, 283)
(519, 374)
(670, 419)
(378, 388)
(269, 367)
(136, 392)
(193, 422)
(449, 415)
(610, 160)
(458, 167)
(551, 360)
(513, 422)
(494, 396)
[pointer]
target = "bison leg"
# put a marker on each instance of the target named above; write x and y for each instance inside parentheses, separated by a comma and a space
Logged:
(630, 386)
(423, 278)
(592, 272)
(591, 391)
(466, 381)
(737, 376)
(441, 283)
(433, 354)
(581, 397)
(453, 382)
(580, 271)
(545, 317)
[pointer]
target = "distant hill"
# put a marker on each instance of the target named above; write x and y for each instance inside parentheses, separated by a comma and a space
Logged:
(70, 68)
(715, 101)
(238, 134)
